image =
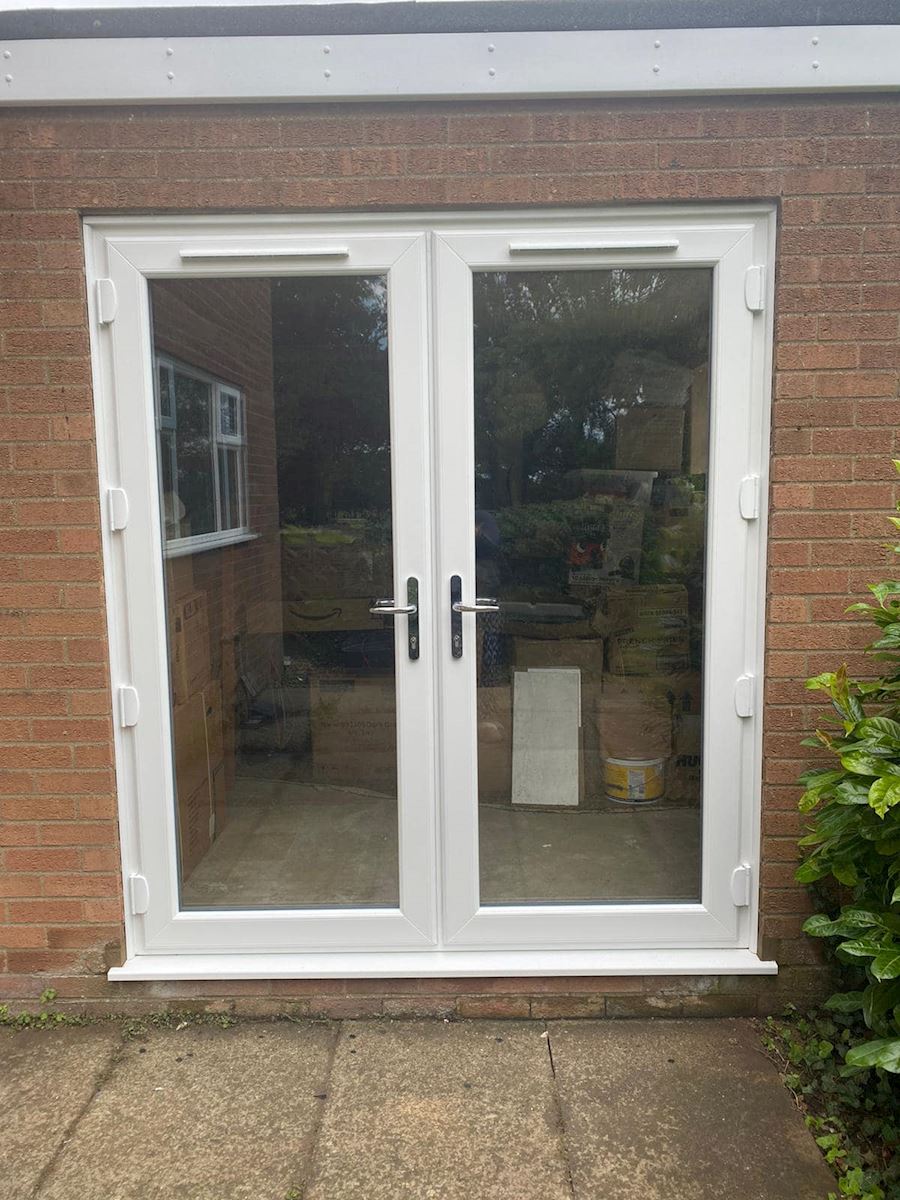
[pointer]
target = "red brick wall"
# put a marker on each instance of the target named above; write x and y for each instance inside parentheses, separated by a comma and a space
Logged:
(834, 165)
(224, 327)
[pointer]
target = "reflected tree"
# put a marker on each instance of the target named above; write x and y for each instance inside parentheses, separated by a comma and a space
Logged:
(331, 397)
(558, 354)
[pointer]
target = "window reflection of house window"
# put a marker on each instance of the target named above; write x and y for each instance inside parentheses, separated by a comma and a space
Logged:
(202, 436)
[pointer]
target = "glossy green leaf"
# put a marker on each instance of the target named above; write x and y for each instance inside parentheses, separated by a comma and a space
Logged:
(845, 1002)
(883, 1052)
(886, 965)
(884, 793)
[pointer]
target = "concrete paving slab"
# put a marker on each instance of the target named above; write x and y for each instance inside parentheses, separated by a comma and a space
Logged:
(201, 1113)
(47, 1077)
(439, 1112)
(687, 1109)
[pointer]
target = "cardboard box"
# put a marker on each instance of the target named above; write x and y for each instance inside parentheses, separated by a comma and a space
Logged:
(634, 723)
(649, 654)
(354, 732)
(346, 566)
(219, 798)
(684, 782)
(647, 607)
(680, 690)
(189, 647)
(194, 813)
(200, 772)
(552, 621)
(651, 630)
(329, 614)
(650, 437)
(495, 743)
(189, 736)
(215, 732)
(584, 653)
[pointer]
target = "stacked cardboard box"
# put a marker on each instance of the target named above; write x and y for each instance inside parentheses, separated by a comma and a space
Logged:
(649, 630)
(684, 782)
(189, 647)
(584, 653)
(353, 725)
(200, 734)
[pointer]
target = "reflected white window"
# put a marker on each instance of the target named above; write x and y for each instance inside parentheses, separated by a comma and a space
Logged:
(202, 435)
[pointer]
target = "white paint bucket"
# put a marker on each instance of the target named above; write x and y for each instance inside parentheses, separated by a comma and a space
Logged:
(634, 780)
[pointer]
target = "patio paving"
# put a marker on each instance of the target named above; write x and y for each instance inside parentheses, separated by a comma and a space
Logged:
(424, 1110)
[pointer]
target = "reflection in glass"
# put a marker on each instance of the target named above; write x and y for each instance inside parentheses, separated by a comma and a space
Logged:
(275, 481)
(591, 426)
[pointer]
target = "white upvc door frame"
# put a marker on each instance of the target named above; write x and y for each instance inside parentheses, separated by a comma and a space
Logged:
(440, 928)
(734, 245)
(129, 254)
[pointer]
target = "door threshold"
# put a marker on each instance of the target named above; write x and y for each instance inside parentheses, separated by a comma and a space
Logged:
(446, 964)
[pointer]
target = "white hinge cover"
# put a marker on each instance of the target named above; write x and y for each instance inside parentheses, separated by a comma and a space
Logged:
(138, 894)
(129, 707)
(741, 883)
(117, 507)
(107, 301)
(748, 497)
(755, 288)
(745, 695)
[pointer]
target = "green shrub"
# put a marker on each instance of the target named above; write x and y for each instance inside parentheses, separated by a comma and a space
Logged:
(852, 1114)
(854, 838)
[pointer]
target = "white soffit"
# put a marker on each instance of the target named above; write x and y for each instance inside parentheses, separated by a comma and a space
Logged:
(444, 66)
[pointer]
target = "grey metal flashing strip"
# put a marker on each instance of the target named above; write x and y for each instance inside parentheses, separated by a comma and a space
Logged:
(452, 66)
(451, 16)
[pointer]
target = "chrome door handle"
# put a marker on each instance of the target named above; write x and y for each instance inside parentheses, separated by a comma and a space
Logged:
(387, 608)
(482, 604)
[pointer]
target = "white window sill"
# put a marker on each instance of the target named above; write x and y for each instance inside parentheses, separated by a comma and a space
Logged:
(442, 964)
(179, 547)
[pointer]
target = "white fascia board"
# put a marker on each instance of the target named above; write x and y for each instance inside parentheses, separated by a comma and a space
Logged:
(442, 964)
(445, 66)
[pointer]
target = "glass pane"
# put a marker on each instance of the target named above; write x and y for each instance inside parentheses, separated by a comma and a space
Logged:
(591, 420)
(195, 503)
(229, 486)
(166, 410)
(283, 699)
(229, 423)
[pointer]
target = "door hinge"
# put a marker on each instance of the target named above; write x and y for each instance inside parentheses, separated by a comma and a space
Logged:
(138, 895)
(107, 301)
(755, 288)
(129, 706)
(741, 885)
(748, 497)
(745, 695)
(117, 508)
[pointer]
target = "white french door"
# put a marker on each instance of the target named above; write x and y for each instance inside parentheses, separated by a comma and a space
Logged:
(434, 565)
(669, 303)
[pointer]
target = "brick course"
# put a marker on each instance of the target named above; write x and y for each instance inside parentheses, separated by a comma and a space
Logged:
(832, 163)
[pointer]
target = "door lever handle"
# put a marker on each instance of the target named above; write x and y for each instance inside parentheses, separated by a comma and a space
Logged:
(482, 604)
(386, 607)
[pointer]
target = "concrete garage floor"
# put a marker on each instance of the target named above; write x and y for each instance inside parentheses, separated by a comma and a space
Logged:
(402, 1110)
(289, 843)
